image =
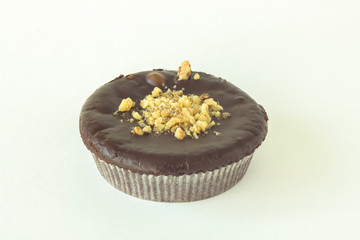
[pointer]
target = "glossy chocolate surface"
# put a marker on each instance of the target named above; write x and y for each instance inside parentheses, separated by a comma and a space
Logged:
(111, 140)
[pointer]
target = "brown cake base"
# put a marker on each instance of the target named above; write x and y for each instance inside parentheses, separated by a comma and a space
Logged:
(167, 188)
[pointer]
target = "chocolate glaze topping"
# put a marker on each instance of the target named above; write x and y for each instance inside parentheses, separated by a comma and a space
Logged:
(111, 140)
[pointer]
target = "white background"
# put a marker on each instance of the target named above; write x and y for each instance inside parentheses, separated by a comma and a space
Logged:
(299, 59)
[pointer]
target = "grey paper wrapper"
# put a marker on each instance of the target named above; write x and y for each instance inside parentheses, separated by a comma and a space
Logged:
(167, 188)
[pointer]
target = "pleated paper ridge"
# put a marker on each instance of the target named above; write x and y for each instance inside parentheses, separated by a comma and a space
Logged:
(167, 188)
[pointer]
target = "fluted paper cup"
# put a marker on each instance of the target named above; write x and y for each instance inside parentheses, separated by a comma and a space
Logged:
(168, 188)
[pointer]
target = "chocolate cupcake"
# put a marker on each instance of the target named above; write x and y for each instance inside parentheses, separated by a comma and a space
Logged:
(172, 136)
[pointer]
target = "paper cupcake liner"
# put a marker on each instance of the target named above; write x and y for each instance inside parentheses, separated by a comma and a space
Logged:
(167, 188)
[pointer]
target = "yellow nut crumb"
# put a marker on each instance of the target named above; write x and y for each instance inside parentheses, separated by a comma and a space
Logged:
(204, 108)
(156, 114)
(141, 124)
(204, 96)
(184, 71)
(126, 105)
(144, 103)
(210, 102)
(179, 134)
(216, 114)
(226, 115)
(217, 107)
(178, 93)
(158, 128)
(202, 125)
(137, 131)
(147, 129)
(171, 122)
(196, 76)
(136, 115)
(156, 92)
(158, 121)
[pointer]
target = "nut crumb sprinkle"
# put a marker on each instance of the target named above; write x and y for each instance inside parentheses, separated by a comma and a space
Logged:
(174, 112)
(196, 76)
(136, 115)
(184, 71)
(126, 105)
(138, 131)
(179, 134)
(147, 129)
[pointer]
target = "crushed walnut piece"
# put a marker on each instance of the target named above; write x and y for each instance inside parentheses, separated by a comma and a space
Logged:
(147, 129)
(184, 71)
(196, 76)
(136, 115)
(179, 133)
(138, 131)
(216, 133)
(126, 105)
(174, 112)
